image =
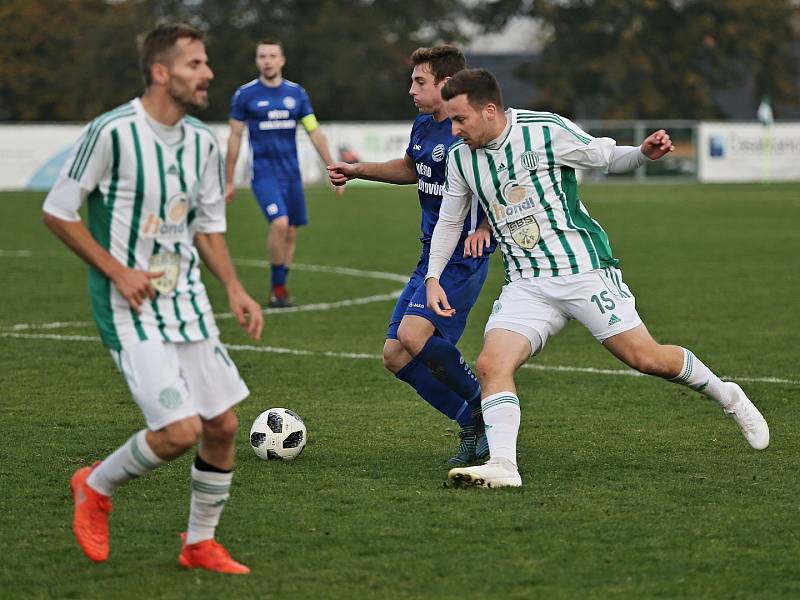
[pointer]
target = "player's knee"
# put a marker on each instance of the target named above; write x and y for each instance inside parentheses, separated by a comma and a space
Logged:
(392, 359)
(181, 436)
(412, 340)
(291, 234)
(280, 226)
(648, 361)
(222, 427)
(487, 366)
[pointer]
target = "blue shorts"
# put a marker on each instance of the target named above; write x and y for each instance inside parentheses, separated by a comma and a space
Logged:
(280, 198)
(462, 280)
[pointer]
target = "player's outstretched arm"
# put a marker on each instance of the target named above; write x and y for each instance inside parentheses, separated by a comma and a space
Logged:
(134, 285)
(214, 251)
(234, 144)
(398, 171)
(657, 145)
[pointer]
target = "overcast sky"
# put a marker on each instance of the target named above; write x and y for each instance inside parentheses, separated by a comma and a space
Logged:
(521, 35)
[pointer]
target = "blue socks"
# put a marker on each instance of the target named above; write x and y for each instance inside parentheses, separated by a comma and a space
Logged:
(279, 273)
(436, 393)
(448, 366)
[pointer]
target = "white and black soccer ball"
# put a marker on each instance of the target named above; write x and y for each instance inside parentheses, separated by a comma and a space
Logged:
(278, 433)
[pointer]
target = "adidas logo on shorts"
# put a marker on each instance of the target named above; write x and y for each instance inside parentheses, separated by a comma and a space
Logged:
(614, 320)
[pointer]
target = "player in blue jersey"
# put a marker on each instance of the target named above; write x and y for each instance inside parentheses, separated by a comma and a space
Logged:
(420, 346)
(271, 107)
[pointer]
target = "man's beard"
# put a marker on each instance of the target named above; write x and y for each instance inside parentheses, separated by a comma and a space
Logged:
(185, 99)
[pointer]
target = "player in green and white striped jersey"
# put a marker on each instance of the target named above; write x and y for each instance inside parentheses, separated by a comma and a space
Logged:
(153, 180)
(558, 261)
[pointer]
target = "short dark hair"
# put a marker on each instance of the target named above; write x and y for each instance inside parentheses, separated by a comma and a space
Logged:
(444, 60)
(157, 45)
(479, 85)
(271, 42)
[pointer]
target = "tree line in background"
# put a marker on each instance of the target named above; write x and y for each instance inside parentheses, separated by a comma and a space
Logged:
(73, 59)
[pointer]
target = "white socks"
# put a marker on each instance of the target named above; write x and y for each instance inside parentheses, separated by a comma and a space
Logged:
(129, 461)
(700, 378)
(501, 415)
(210, 491)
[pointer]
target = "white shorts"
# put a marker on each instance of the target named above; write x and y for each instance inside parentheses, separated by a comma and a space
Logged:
(172, 381)
(539, 308)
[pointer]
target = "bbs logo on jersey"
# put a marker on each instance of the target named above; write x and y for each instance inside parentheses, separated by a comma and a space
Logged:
(289, 102)
(438, 153)
(529, 160)
(525, 231)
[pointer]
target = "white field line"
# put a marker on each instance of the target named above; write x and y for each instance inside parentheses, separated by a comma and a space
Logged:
(249, 262)
(376, 357)
(317, 306)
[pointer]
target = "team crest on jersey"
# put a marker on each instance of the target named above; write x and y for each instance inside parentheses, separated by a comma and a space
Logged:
(525, 231)
(529, 160)
(170, 264)
(438, 153)
(289, 102)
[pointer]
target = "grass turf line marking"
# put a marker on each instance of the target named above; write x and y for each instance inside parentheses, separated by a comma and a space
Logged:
(376, 357)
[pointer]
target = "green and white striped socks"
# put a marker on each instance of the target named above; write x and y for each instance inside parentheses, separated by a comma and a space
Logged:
(210, 491)
(700, 378)
(131, 460)
(501, 416)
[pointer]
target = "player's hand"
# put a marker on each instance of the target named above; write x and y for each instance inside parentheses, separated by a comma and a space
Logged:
(229, 190)
(437, 299)
(477, 242)
(247, 312)
(657, 145)
(135, 286)
(341, 172)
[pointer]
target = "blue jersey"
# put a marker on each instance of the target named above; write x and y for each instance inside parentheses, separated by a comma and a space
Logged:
(428, 147)
(272, 115)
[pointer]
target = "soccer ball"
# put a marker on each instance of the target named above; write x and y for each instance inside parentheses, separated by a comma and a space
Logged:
(278, 433)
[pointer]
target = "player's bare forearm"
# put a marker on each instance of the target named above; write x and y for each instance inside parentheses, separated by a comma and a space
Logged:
(320, 143)
(395, 171)
(78, 239)
(133, 284)
(214, 251)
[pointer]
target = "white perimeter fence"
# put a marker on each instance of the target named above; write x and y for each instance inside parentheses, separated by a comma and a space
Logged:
(32, 154)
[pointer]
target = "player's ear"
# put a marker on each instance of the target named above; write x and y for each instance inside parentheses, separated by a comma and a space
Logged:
(159, 73)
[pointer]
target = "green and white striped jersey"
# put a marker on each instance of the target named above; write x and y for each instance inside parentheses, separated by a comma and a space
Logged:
(146, 199)
(525, 181)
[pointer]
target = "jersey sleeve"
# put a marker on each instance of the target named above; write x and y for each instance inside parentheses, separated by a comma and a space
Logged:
(573, 147)
(238, 107)
(410, 149)
(210, 217)
(304, 102)
(88, 162)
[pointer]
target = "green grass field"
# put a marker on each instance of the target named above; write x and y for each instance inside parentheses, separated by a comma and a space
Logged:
(633, 487)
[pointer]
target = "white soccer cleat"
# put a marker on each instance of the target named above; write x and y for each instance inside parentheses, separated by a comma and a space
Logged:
(498, 472)
(748, 418)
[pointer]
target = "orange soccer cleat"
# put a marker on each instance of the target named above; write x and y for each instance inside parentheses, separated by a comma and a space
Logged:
(209, 555)
(90, 521)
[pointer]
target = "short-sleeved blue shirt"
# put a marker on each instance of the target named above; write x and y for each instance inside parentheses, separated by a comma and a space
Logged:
(272, 116)
(427, 147)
